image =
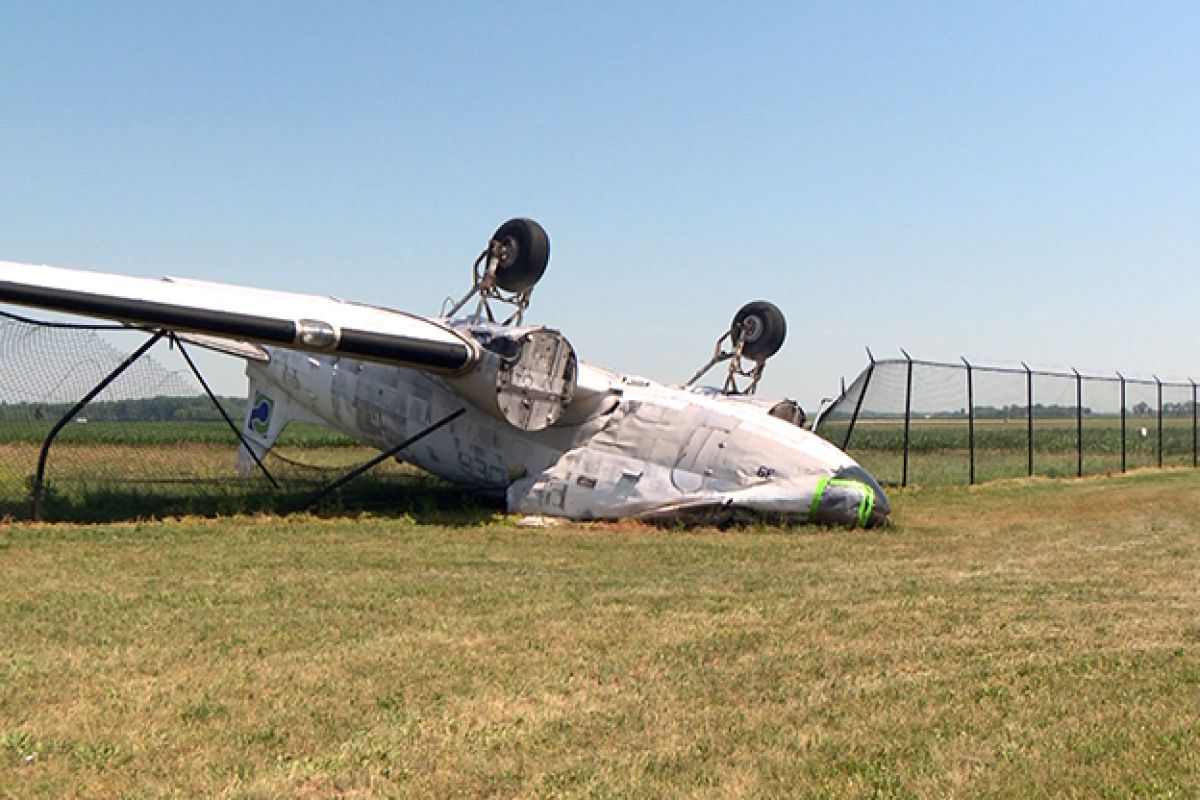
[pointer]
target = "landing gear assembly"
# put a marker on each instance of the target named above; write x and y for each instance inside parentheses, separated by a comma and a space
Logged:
(756, 333)
(507, 270)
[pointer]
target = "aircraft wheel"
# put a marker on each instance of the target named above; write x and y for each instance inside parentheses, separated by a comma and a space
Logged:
(761, 328)
(525, 249)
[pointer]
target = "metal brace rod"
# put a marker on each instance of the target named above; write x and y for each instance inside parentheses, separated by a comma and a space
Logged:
(39, 476)
(361, 468)
(237, 431)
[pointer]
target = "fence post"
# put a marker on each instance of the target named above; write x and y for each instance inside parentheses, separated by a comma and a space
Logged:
(1029, 415)
(970, 419)
(907, 415)
(1194, 442)
(1122, 379)
(1158, 384)
(40, 476)
(1078, 423)
(861, 395)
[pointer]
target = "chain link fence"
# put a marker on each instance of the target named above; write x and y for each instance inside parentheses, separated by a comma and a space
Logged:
(913, 421)
(94, 427)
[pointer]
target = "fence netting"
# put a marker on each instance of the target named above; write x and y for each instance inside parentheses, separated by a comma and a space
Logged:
(154, 443)
(912, 421)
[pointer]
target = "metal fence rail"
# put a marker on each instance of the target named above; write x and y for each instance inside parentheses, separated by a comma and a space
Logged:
(910, 420)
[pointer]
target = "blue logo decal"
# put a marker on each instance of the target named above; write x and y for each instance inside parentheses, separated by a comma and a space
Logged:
(260, 414)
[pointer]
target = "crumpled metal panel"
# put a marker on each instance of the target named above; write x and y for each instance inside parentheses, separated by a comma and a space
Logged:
(670, 459)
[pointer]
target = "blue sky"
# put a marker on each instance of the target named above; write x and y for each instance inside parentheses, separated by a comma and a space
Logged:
(1002, 181)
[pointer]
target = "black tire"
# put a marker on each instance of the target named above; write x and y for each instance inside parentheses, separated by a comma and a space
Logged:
(761, 328)
(526, 254)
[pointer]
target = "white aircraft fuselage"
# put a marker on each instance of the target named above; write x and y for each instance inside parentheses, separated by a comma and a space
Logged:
(638, 449)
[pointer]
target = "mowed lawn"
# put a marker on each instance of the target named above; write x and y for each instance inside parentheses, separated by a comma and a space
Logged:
(1017, 639)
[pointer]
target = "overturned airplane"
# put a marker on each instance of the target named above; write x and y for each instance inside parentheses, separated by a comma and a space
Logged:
(495, 404)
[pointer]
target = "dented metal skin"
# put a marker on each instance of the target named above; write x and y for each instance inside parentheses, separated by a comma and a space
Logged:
(624, 447)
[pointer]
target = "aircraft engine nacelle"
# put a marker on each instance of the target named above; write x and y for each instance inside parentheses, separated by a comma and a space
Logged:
(524, 376)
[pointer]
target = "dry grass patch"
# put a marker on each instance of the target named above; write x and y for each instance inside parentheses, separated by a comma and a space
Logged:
(1024, 639)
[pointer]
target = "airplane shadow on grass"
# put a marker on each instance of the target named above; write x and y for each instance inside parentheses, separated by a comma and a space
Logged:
(425, 500)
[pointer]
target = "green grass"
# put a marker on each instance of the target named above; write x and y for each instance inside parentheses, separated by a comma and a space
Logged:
(1028, 638)
(137, 476)
(99, 484)
(140, 433)
(108, 471)
(939, 451)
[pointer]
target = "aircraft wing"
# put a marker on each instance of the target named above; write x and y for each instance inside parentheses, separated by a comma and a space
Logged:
(297, 321)
(523, 376)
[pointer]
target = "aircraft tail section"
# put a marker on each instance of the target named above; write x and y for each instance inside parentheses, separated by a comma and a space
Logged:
(269, 409)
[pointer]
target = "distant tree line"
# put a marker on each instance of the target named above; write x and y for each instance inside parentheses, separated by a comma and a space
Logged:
(1169, 409)
(1040, 411)
(142, 409)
